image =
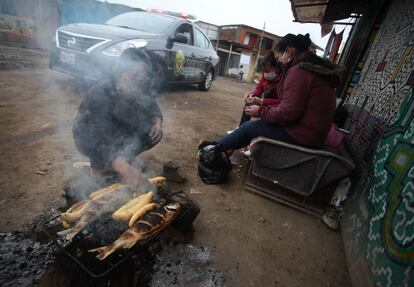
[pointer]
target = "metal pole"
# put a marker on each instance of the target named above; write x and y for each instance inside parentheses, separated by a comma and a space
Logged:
(228, 60)
(218, 39)
(258, 48)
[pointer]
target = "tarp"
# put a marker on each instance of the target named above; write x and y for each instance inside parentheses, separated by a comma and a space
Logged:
(309, 10)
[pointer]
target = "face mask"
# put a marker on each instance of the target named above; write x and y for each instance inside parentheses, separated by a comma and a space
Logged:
(269, 76)
(281, 64)
(282, 59)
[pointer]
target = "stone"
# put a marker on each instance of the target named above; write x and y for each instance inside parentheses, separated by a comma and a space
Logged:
(173, 172)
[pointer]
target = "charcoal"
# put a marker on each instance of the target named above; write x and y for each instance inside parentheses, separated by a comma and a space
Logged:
(33, 255)
(23, 260)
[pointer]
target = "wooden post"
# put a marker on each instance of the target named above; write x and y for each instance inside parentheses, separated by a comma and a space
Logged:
(228, 60)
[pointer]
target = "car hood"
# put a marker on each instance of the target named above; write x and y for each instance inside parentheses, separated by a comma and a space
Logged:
(107, 31)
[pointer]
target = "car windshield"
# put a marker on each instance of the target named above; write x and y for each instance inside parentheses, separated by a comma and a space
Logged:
(142, 21)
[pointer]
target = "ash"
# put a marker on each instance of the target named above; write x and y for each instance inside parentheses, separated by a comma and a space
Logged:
(23, 261)
(185, 265)
(25, 255)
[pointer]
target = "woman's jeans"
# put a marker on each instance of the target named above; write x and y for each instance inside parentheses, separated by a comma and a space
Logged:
(244, 118)
(242, 136)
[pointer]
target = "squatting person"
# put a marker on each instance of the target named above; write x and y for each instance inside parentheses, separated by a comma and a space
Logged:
(119, 119)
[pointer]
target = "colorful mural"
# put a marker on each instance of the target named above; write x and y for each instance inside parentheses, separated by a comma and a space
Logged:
(16, 25)
(378, 224)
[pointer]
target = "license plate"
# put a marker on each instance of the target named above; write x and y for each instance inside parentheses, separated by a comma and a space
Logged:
(67, 58)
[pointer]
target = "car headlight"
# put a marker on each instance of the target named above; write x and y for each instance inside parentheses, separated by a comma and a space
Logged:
(117, 49)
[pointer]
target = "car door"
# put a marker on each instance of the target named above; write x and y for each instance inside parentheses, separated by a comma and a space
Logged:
(203, 52)
(183, 56)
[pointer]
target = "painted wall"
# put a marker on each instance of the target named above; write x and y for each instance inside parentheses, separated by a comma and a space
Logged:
(28, 23)
(378, 224)
(34, 23)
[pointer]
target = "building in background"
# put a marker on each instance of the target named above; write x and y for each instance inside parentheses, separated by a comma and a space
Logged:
(211, 30)
(236, 42)
(378, 91)
(30, 23)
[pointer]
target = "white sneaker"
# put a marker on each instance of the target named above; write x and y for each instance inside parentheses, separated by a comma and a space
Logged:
(247, 153)
(332, 217)
(229, 132)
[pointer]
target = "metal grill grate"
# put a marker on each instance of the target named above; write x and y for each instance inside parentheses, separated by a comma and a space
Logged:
(76, 43)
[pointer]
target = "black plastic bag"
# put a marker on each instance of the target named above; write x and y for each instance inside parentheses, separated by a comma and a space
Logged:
(213, 164)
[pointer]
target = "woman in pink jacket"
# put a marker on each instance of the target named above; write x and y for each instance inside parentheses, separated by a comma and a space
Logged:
(265, 92)
(307, 106)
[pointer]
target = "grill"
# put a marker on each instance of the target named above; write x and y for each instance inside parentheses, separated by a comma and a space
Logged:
(76, 43)
(104, 231)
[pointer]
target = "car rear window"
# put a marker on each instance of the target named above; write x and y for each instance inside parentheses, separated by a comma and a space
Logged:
(142, 21)
(201, 40)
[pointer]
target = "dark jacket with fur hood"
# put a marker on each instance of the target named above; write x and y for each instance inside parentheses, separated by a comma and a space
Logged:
(308, 99)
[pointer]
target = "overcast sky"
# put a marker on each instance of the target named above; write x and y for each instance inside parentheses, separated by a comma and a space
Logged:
(277, 14)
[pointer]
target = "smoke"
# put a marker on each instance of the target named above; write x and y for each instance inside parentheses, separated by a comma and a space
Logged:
(115, 118)
(107, 124)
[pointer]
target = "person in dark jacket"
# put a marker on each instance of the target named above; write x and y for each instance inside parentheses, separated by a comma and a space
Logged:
(265, 92)
(119, 119)
(307, 106)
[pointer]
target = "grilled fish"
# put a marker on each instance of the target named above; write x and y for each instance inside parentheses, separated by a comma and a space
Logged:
(103, 203)
(146, 228)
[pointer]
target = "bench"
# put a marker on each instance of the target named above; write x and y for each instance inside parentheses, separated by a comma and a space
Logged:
(296, 176)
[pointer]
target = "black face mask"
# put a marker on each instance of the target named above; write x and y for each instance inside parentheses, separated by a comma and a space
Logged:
(279, 66)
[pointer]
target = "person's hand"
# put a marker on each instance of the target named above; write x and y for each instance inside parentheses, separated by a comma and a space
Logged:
(248, 95)
(130, 174)
(254, 101)
(252, 111)
(156, 133)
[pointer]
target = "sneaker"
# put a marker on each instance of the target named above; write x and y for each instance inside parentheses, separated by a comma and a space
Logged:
(238, 159)
(229, 132)
(332, 217)
(247, 153)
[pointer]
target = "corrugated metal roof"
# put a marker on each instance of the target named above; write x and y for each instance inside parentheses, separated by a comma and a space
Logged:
(325, 11)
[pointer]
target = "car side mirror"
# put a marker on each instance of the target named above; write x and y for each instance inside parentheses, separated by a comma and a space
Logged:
(181, 38)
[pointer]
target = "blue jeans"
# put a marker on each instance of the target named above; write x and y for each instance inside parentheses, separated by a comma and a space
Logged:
(242, 136)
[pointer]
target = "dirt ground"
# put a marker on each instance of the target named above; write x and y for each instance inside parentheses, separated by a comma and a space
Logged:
(255, 242)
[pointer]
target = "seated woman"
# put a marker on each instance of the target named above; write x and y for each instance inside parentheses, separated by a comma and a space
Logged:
(307, 106)
(265, 92)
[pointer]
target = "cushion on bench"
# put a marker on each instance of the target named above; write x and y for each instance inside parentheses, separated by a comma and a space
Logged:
(296, 168)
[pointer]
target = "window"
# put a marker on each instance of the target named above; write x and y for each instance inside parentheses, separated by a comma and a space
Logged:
(142, 21)
(187, 30)
(210, 30)
(266, 44)
(201, 40)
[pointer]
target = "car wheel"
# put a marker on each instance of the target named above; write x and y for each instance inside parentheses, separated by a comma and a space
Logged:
(206, 84)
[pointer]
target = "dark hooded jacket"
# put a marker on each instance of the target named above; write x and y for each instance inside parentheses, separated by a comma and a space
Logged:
(308, 100)
(110, 125)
